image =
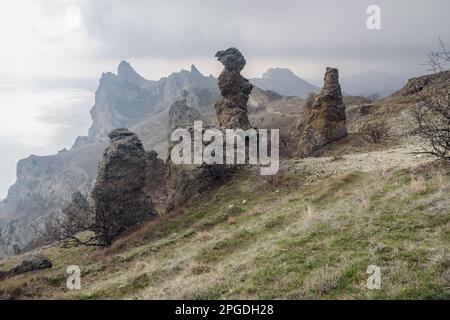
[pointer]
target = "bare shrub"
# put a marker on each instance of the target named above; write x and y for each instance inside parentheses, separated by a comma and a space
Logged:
(81, 223)
(432, 122)
(438, 61)
(375, 131)
(432, 116)
(76, 219)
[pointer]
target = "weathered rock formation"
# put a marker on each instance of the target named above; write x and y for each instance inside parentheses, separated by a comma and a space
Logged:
(119, 192)
(182, 115)
(186, 181)
(322, 120)
(231, 110)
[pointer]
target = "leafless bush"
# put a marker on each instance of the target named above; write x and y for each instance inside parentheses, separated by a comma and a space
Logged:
(375, 131)
(438, 60)
(432, 116)
(76, 218)
(432, 122)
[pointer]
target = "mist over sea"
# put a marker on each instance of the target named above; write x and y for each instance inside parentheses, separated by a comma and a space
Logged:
(39, 121)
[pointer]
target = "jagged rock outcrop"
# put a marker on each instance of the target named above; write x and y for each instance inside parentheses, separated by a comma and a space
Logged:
(421, 84)
(231, 110)
(322, 119)
(127, 100)
(119, 192)
(187, 181)
(155, 172)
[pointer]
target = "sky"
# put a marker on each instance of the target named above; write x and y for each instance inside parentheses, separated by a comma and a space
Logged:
(54, 51)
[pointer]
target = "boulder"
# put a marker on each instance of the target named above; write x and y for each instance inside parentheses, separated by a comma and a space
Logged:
(31, 263)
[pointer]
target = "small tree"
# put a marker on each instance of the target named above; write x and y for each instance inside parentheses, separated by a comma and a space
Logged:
(432, 116)
(76, 219)
(375, 131)
(438, 60)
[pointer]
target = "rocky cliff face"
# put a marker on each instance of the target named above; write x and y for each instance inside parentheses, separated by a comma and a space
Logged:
(322, 119)
(44, 185)
(128, 100)
(119, 192)
(231, 110)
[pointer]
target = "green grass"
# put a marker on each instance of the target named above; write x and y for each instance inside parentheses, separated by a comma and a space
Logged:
(303, 242)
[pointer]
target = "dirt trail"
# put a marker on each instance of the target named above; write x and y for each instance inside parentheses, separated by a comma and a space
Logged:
(401, 157)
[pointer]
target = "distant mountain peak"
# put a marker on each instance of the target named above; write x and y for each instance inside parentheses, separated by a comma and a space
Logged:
(194, 69)
(126, 72)
(278, 71)
(285, 82)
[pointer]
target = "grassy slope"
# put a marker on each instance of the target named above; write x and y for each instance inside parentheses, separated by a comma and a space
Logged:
(289, 240)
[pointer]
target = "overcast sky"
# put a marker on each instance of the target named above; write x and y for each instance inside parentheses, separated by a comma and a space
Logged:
(53, 51)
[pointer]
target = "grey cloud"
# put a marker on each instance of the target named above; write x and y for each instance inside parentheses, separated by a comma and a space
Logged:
(196, 28)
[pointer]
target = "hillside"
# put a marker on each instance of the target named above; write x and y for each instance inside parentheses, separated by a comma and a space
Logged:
(310, 231)
(310, 234)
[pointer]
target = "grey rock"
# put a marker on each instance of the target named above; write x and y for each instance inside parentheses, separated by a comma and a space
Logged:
(119, 192)
(187, 181)
(231, 110)
(232, 59)
(322, 119)
(32, 263)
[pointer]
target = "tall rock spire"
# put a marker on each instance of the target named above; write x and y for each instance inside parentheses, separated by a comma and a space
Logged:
(322, 120)
(231, 110)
